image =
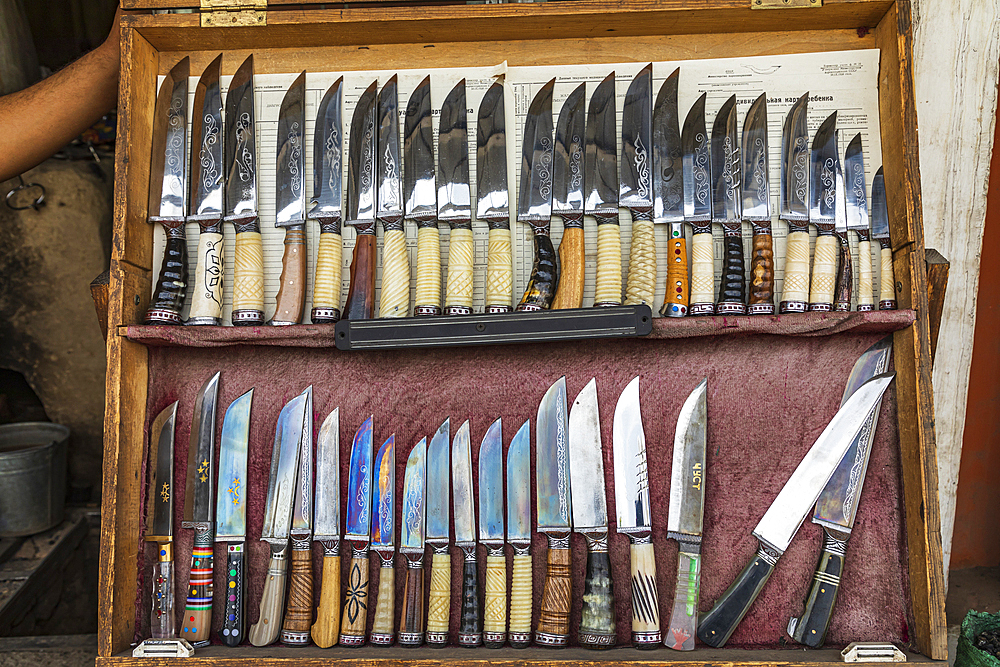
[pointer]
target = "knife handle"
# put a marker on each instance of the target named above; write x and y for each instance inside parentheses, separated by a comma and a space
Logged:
(458, 294)
(845, 277)
(298, 612)
(684, 617)
(645, 600)
(810, 628)
(795, 290)
(544, 277)
(411, 623)
(206, 300)
(640, 286)
(439, 600)
(597, 618)
(675, 297)
(394, 300)
(428, 298)
(326, 283)
(866, 298)
(248, 278)
(499, 271)
(553, 619)
(197, 621)
(521, 599)
(718, 625)
(385, 610)
(291, 298)
(470, 633)
(168, 297)
(162, 618)
(824, 273)
(571, 270)
(608, 291)
(361, 297)
(703, 272)
(887, 297)
(733, 288)
(762, 271)
(355, 614)
(495, 613)
(235, 592)
(326, 629)
(266, 629)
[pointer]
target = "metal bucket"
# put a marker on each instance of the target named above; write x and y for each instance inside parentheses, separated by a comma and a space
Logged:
(32, 477)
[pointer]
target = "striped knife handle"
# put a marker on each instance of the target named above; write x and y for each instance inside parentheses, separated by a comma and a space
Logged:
(553, 619)
(544, 277)
(762, 271)
(866, 286)
(439, 600)
(394, 298)
(810, 628)
(733, 288)
(645, 599)
(597, 618)
(197, 622)
(824, 273)
(361, 297)
(162, 617)
(499, 271)
(640, 285)
(458, 292)
(521, 599)
(298, 610)
(326, 629)
(234, 618)
(675, 296)
(684, 617)
(495, 613)
(795, 289)
(845, 277)
(428, 297)
(248, 276)
(412, 622)
(569, 294)
(608, 291)
(385, 607)
(470, 629)
(887, 293)
(168, 296)
(206, 299)
(326, 283)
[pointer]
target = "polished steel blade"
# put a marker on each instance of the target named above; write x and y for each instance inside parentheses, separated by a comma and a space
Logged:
(438, 484)
(880, 212)
(284, 466)
(302, 507)
(160, 462)
(631, 475)
(327, 522)
(390, 203)
(535, 195)
(241, 144)
(726, 164)
(491, 485)
(668, 173)
(412, 529)
(361, 160)
(567, 155)
(794, 183)
(168, 171)
(755, 190)
(697, 165)
(855, 189)
(461, 487)
(586, 462)
(199, 497)
(519, 486)
(552, 481)
(231, 507)
(824, 165)
(359, 484)
(841, 192)
(290, 161)
(206, 145)
(687, 474)
(453, 196)
(328, 147)
(419, 188)
(636, 189)
(600, 173)
(491, 157)
(383, 501)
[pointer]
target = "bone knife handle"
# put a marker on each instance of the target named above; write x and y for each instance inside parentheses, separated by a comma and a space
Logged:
(495, 612)
(824, 273)
(608, 290)
(234, 619)
(298, 612)
(640, 286)
(762, 271)
(394, 299)
(411, 622)
(326, 283)
(291, 298)
(354, 616)
(521, 600)
(385, 608)
(702, 272)
(553, 620)
(733, 288)
(361, 297)
(168, 296)
(866, 297)
(470, 628)
(887, 296)
(718, 625)
(684, 617)
(458, 294)
(499, 271)
(197, 620)
(248, 278)
(675, 297)
(326, 629)
(162, 617)
(571, 270)
(206, 300)
(267, 627)
(810, 628)
(544, 277)
(795, 289)
(439, 600)
(428, 297)
(645, 600)
(597, 618)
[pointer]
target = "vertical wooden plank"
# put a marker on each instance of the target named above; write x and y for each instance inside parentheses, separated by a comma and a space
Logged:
(937, 288)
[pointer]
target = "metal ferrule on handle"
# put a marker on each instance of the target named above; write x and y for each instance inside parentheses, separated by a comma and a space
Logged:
(553, 619)
(810, 628)
(608, 291)
(326, 283)
(385, 611)
(354, 617)
(684, 616)
(521, 597)
(162, 616)
(795, 289)
(168, 295)
(733, 288)
(887, 293)
(702, 269)
(428, 296)
(645, 597)
(845, 276)
(640, 286)
(761, 270)
(439, 600)
(866, 298)
(412, 622)
(458, 291)
(198, 609)
(470, 629)
(266, 629)
(326, 630)
(248, 272)
(298, 612)
(495, 611)
(597, 618)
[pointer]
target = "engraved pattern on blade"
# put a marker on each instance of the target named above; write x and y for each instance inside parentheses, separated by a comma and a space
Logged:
(332, 156)
(860, 464)
(174, 155)
(576, 164)
(800, 168)
(295, 141)
(561, 461)
(759, 175)
(827, 181)
(858, 185)
(701, 178)
(642, 169)
(543, 168)
(244, 155)
(210, 137)
(730, 170)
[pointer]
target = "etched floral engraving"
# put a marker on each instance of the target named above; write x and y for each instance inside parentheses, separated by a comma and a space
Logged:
(332, 157)
(174, 152)
(760, 168)
(390, 194)
(295, 143)
(700, 164)
(826, 181)
(575, 165)
(642, 168)
(858, 186)
(561, 461)
(544, 167)
(209, 138)
(800, 161)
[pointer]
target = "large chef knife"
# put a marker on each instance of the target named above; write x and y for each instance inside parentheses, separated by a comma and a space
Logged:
(880, 231)
(327, 203)
(519, 535)
(290, 203)
(199, 508)
(361, 206)
(470, 633)
(493, 200)
(160, 519)
(167, 191)
(697, 164)
(782, 519)
(794, 203)
(845, 270)
(756, 195)
(685, 514)
(824, 167)
(231, 515)
(491, 534)
(856, 195)
(278, 517)
(636, 187)
(454, 204)
(420, 192)
(384, 541)
(298, 612)
(634, 514)
(326, 531)
(668, 194)
(438, 534)
(567, 197)
(411, 545)
(590, 519)
(394, 298)
(726, 209)
(837, 507)
(534, 204)
(601, 181)
(552, 494)
(359, 514)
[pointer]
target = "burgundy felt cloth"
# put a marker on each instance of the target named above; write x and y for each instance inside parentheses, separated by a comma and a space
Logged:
(769, 397)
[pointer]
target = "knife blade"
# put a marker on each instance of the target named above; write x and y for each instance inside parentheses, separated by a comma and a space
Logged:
(697, 167)
(411, 544)
(394, 299)
(454, 203)
(824, 167)
(668, 194)
(794, 197)
(534, 205)
(160, 519)
(880, 231)
(361, 196)
(554, 507)
(784, 516)
(199, 506)
(167, 192)
(567, 197)
(491, 534)
(327, 205)
(636, 187)
(685, 516)
(384, 540)
(600, 177)
(469, 624)
(633, 513)
(856, 195)
(359, 514)
(420, 191)
(519, 535)
(438, 534)
(756, 196)
(290, 204)
(837, 507)
(845, 270)
(590, 519)
(726, 209)
(326, 630)
(493, 203)
(298, 612)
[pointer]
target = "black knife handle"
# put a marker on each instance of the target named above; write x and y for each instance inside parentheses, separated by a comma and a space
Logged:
(412, 623)
(470, 627)
(733, 288)
(597, 618)
(361, 298)
(168, 297)
(544, 277)
(718, 625)
(233, 622)
(762, 271)
(810, 628)
(845, 277)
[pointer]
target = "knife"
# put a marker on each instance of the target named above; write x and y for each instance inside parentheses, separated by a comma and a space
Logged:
(491, 534)
(590, 519)
(633, 514)
(552, 495)
(327, 207)
(470, 632)
(824, 167)
(782, 520)
(278, 517)
(290, 204)
(794, 196)
(519, 535)
(697, 164)
(567, 197)
(684, 518)
(453, 200)
(534, 204)
(880, 231)
(326, 531)
(668, 194)
(384, 541)
(856, 195)
(411, 545)
(241, 200)
(160, 519)
(601, 179)
(231, 515)
(394, 299)
(837, 507)
(298, 612)
(726, 209)
(359, 514)
(493, 203)
(167, 192)
(421, 198)
(438, 513)
(199, 505)
(636, 189)
(361, 207)
(845, 272)
(756, 196)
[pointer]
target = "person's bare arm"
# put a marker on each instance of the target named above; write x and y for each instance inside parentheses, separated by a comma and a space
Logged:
(38, 121)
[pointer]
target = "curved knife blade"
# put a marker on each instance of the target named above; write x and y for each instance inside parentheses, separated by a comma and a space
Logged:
(328, 143)
(361, 161)
(167, 195)
(383, 502)
(754, 188)
(491, 486)
(491, 158)
(241, 145)
(601, 153)
(453, 196)
(825, 164)
(567, 161)
(725, 165)
(668, 181)
(290, 184)
(302, 512)
(535, 195)
(697, 165)
(636, 191)
(418, 154)
(880, 212)
(856, 191)
(794, 183)
(390, 206)
(412, 530)
(199, 503)
(359, 485)
(206, 146)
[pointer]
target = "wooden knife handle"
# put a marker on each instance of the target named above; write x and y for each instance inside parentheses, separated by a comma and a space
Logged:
(495, 613)
(361, 297)
(499, 272)
(810, 628)
(553, 620)
(355, 613)
(608, 291)
(521, 600)
(385, 609)
(718, 625)
(248, 279)
(795, 290)
(866, 285)
(571, 270)
(428, 297)
(824, 273)
(411, 623)
(394, 299)
(234, 619)
(733, 288)
(887, 296)
(645, 599)
(206, 300)
(458, 294)
(684, 617)
(298, 612)
(326, 629)
(168, 297)
(439, 600)
(597, 618)
(640, 286)
(470, 627)
(702, 273)
(544, 277)
(197, 622)
(762, 272)
(326, 284)
(266, 629)
(675, 297)
(162, 618)
(291, 298)
(845, 277)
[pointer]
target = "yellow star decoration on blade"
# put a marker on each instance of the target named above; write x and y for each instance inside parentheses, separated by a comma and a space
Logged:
(234, 490)
(203, 469)
(204, 478)
(165, 492)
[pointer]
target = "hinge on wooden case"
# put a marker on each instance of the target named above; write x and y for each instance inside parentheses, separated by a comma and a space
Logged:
(784, 4)
(233, 13)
